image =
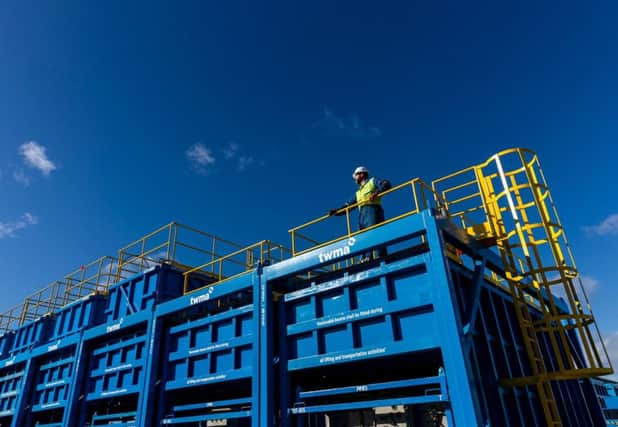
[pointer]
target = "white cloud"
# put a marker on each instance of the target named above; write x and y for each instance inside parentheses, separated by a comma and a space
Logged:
(611, 344)
(331, 125)
(231, 150)
(200, 157)
(609, 226)
(590, 284)
(244, 162)
(8, 229)
(34, 156)
(30, 219)
(20, 177)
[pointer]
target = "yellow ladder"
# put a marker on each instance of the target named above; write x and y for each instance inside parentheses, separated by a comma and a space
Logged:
(511, 204)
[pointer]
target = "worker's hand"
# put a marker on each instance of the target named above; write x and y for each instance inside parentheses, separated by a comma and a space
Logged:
(332, 212)
(373, 196)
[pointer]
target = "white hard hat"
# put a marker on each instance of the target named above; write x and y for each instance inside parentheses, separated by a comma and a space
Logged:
(360, 169)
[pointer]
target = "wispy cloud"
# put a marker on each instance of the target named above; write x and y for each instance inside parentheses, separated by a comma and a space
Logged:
(332, 125)
(244, 162)
(200, 157)
(590, 284)
(231, 150)
(20, 177)
(9, 229)
(607, 227)
(235, 157)
(34, 155)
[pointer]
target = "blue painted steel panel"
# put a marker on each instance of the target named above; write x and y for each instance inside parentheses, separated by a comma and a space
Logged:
(6, 341)
(211, 349)
(361, 317)
(11, 383)
(15, 382)
(31, 335)
(51, 386)
(77, 316)
(53, 378)
(142, 292)
(116, 366)
(208, 349)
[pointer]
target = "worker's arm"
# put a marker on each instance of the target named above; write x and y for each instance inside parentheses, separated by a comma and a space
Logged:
(341, 211)
(382, 185)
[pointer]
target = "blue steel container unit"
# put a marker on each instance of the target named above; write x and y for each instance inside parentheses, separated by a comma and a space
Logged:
(16, 368)
(54, 364)
(12, 385)
(430, 329)
(208, 355)
(53, 381)
(115, 354)
(418, 329)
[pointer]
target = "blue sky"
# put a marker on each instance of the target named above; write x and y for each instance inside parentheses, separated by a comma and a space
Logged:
(246, 118)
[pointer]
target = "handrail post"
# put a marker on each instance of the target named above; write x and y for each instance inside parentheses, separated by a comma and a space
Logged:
(415, 197)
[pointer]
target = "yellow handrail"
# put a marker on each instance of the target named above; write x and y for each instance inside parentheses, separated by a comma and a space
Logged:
(97, 276)
(421, 202)
(260, 251)
(165, 241)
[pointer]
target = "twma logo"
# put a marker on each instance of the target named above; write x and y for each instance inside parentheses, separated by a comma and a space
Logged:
(202, 298)
(115, 327)
(337, 252)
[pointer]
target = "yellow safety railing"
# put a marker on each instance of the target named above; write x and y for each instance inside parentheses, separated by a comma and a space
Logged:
(94, 277)
(88, 279)
(421, 195)
(175, 243)
(507, 201)
(11, 318)
(234, 264)
(43, 302)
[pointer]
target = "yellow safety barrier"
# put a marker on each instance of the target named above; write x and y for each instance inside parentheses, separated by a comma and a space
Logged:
(179, 244)
(176, 244)
(421, 194)
(10, 319)
(94, 277)
(235, 264)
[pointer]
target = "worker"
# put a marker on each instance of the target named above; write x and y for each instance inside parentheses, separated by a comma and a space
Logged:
(370, 211)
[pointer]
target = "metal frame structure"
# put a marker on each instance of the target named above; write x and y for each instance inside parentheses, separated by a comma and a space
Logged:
(175, 243)
(510, 196)
(473, 318)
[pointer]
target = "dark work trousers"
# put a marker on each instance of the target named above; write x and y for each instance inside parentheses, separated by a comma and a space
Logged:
(371, 215)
